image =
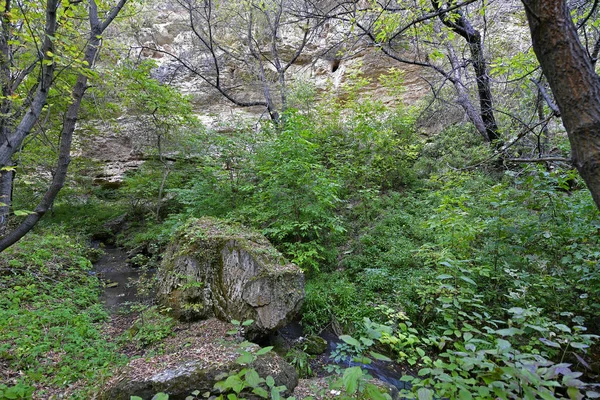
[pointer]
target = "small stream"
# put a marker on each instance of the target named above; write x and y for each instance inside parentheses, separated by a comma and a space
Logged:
(388, 372)
(119, 278)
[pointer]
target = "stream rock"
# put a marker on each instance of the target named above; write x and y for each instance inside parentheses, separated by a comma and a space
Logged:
(195, 358)
(314, 345)
(215, 269)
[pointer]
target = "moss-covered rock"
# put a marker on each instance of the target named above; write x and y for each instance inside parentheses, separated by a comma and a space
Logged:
(315, 345)
(216, 269)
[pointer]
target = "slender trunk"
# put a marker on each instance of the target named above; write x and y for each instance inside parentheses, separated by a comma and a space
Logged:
(575, 84)
(462, 26)
(64, 157)
(486, 103)
(463, 98)
(12, 139)
(6, 188)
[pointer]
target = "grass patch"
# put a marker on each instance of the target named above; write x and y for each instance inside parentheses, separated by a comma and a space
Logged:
(50, 319)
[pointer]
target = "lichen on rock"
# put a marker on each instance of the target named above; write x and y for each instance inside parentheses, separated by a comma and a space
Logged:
(218, 269)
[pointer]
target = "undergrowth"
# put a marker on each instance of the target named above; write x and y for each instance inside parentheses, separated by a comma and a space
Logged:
(50, 319)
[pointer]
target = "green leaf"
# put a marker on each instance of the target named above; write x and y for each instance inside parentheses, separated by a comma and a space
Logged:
(235, 322)
(465, 395)
(275, 394)
(235, 383)
(248, 322)
(23, 213)
(252, 378)
(246, 358)
(351, 378)
(264, 350)
(261, 392)
(468, 280)
(578, 345)
(563, 328)
(424, 394)
(573, 393)
(550, 343)
(350, 340)
(509, 332)
(135, 398)
(160, 396)
(270, 381)
(373, 393)
(444, 276)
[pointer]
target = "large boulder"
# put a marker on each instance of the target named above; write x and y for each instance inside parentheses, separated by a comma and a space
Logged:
(195, 358)
(216, 269)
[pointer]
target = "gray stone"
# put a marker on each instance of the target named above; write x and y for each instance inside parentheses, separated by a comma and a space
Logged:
(215, 269)
(205, 359)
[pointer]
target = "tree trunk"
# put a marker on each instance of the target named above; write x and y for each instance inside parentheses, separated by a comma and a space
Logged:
(97, 27)
(6, 186)
(575, 84)
(462, 26)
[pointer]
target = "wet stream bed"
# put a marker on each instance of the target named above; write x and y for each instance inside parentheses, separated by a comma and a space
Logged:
(119, 279)
(321, 365)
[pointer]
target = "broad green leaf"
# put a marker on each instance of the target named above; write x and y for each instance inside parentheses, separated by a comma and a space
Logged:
(509, 332)
(160, 396)
(350, 340)
(235, 383)
(444, 276)
(578, 345)
(261, 392)
(351, 378)
(252, 378)
(573, 393)
(248, 322)
(424, 394)
(246, 358)
(270, 381)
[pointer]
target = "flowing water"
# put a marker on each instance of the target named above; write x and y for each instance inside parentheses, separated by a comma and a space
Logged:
(388, 372)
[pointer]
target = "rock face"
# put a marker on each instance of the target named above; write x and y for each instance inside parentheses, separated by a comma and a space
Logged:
(212, 269)
(195, 359)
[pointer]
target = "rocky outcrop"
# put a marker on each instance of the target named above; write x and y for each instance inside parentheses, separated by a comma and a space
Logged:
(194, 359)
(215, 269)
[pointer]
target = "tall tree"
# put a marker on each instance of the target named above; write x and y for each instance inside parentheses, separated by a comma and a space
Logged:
(37, 78)
(429, 28)
(575, 84)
